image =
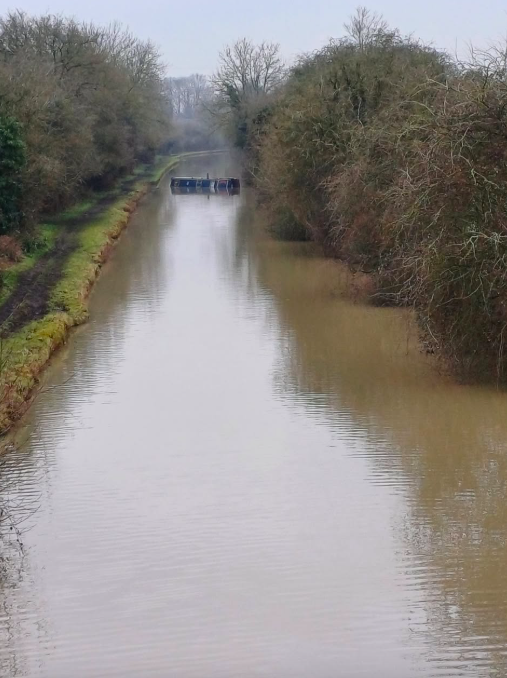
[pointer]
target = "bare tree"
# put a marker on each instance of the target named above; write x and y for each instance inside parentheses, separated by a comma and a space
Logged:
(186, 94)
(247, 70)
(247, 77)
(366, 27)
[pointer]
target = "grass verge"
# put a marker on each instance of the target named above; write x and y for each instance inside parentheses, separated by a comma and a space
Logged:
(25, 353)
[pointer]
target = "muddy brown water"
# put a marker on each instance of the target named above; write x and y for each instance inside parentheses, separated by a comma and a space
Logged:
(240, 473)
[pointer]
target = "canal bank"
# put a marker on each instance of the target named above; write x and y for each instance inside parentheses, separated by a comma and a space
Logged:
(45, 294)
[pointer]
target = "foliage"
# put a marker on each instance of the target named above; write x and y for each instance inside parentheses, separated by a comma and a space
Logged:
(90, 102)
(284, 226)
(247, 76)
(447, 221)
(12, 161)
(393, 156)
(10, 248)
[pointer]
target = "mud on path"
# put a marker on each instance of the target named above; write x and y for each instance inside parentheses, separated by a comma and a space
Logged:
(30, 299)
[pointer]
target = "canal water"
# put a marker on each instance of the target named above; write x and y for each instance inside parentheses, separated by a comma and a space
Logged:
(240, 473)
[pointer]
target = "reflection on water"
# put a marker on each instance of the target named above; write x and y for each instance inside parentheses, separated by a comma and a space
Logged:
(243, 474)
(443, 446)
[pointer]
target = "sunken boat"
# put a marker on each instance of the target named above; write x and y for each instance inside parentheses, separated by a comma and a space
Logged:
(206, 184)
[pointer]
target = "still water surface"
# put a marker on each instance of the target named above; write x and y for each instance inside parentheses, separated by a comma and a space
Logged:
(242, 474)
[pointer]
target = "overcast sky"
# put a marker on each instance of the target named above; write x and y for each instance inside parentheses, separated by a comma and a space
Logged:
(190, 39)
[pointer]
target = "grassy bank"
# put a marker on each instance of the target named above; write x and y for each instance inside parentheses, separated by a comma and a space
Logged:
(67, 260)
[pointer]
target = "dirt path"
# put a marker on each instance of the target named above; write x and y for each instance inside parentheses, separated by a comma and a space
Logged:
(30, 299)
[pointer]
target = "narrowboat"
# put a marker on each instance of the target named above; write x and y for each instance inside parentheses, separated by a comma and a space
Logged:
(193, 182)
(206, 184)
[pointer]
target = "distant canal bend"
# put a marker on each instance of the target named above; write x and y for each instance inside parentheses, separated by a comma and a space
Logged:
(242, 474)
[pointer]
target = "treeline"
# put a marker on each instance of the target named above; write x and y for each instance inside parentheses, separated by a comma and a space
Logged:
(187, 94)
(80, 105)
(394, 157)
(190, 98)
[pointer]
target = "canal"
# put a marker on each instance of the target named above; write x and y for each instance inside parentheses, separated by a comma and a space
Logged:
(240, 472)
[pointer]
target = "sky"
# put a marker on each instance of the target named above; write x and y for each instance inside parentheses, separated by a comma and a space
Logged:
(190, 40)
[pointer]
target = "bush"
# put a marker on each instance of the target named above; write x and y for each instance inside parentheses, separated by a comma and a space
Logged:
(90, 103)
(395, 159)
(10, 248)
(12, 160)
(284, 226)
(448, 221)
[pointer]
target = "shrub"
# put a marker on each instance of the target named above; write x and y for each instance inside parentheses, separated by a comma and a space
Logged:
(283, 225)
(395, 159)
(10, 248)
(12, 160)
(448, 220)
(91, 104)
